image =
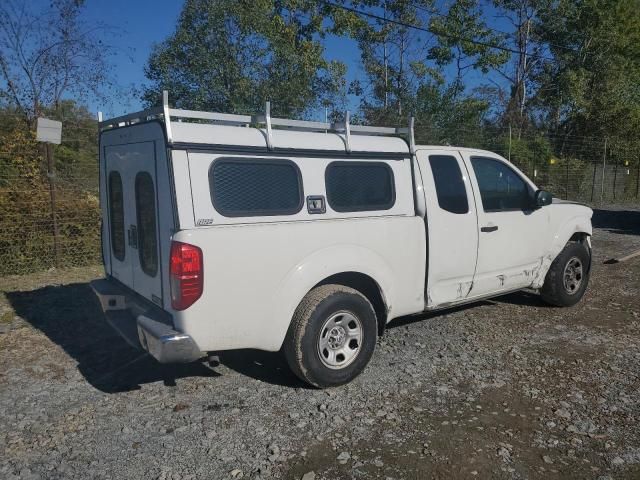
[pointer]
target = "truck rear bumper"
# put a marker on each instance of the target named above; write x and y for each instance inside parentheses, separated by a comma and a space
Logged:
(142, 327)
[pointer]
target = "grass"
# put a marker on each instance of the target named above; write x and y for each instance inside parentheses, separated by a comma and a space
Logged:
(7, 317)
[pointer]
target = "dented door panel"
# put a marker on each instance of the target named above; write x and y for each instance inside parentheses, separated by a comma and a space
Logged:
(512, 241)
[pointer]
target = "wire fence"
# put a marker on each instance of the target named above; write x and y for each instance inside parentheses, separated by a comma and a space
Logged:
(50, 218)
(595, 171)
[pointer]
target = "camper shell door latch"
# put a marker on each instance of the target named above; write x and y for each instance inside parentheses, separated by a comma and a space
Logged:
(316, 204)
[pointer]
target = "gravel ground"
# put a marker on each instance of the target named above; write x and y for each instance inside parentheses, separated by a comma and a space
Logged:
(508, 388)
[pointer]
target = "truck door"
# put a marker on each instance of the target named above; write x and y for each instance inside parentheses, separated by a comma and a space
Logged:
(452, 227)
(511, 233)
(133, 225)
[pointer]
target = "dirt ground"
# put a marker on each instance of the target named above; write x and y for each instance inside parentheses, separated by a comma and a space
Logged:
(508, 388)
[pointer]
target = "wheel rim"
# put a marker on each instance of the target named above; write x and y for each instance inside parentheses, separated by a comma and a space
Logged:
(573, 275)
(340, 340)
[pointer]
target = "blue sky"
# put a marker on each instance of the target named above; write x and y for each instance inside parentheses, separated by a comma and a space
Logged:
(145, 22)
(142, 23)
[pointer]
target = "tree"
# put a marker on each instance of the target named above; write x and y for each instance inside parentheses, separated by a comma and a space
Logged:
(49, 54)
(465, 40)
(448, 117)
(407, 48)
(392, 54)
(231, 56)
(591, 86)
(527, 51)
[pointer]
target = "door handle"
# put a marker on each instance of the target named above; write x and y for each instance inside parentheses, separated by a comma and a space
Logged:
(491, 228)
(132, 233)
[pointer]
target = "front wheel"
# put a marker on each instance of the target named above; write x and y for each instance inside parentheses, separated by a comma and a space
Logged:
(568, 276)
(332, 336)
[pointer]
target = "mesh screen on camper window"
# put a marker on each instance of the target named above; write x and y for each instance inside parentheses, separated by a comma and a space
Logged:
(359, 186)
(116, 215)
(249, 187)
(146, 216)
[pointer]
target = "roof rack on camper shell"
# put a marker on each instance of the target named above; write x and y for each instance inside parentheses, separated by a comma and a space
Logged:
(168, 115)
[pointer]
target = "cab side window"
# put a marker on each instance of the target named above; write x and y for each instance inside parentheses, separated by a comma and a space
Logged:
(501, 188)
(450, 189)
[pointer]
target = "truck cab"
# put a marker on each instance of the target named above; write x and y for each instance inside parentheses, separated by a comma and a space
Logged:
(488, 232)
(226, 231)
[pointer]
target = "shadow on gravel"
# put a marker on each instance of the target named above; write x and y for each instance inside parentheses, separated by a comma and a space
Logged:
(517, 298)
(268, 367)
(71, 317)
(526, 299)
(617, 221)
(419, 317)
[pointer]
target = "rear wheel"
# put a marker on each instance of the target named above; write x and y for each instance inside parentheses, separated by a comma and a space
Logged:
(568, 276)
(332, 336)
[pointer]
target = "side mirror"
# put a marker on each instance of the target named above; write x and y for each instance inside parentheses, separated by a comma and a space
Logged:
(542, 198)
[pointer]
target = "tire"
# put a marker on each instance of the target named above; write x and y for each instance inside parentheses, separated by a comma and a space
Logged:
(322, 345)
(568, 276)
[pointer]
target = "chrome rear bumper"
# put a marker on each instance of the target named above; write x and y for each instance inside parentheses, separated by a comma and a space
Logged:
(141, 326)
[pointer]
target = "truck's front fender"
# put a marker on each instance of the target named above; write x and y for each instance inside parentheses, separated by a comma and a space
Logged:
(576, 224)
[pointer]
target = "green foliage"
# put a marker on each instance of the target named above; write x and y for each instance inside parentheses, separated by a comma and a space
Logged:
(591, 87)
(26, 225)
(465, 39)
(449, 117)
(231, 56)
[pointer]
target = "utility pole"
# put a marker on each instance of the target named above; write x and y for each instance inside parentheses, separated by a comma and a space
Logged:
(509, 154)
(386, 64)
(51, 175)
(604, 166)
(50, 132)
(638, 180)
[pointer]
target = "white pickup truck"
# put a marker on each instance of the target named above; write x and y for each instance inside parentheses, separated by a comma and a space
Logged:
(228, 232)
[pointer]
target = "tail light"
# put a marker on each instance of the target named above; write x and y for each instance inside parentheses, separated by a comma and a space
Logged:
(186, 275)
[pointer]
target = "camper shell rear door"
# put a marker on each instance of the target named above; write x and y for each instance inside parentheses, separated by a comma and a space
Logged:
(137, 209)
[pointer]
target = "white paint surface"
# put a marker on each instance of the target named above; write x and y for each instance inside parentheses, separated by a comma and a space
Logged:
(258, 269)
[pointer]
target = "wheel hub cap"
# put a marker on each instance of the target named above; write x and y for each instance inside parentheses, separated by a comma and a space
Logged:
(337, 336)
(340, 340)
(573, 275)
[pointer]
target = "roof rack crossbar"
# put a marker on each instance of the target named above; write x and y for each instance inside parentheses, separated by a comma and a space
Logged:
(130, 118)
(343, 127)
(300, 124)
(229, 118)
(266, 119)
(409, 132)
(167, 115)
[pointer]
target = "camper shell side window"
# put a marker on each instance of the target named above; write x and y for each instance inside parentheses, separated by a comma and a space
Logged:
(248, 187)
(360, 186)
